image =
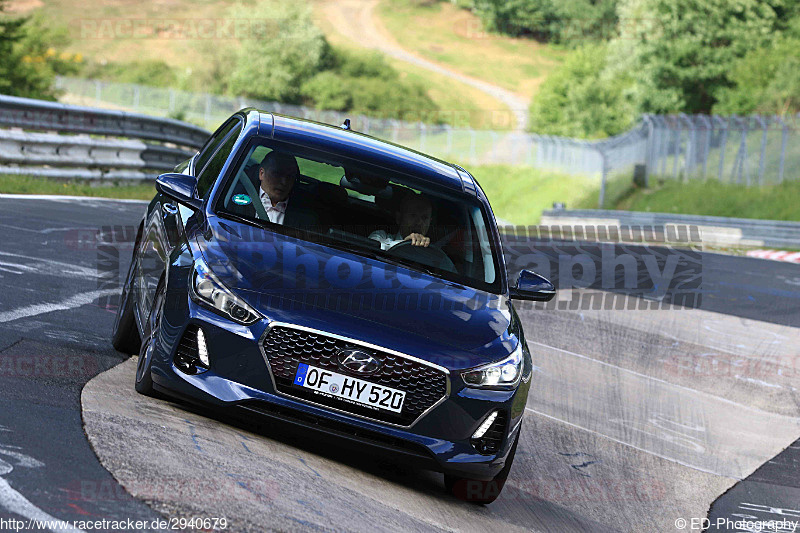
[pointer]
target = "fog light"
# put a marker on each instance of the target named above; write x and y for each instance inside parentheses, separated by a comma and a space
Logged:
(202, 349)
(485, 426)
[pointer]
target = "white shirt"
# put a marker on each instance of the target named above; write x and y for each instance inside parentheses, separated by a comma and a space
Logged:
(386, 240)
(275, 213)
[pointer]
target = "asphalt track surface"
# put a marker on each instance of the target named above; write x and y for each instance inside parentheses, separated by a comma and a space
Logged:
(637, 418)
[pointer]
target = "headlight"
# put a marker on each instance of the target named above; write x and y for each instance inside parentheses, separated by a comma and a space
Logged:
(501, 375)
(209, 290)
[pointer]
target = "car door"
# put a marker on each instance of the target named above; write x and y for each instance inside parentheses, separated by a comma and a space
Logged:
(164, 227)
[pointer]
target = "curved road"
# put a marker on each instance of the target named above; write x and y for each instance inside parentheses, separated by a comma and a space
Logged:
(356, 20)
(635, 418)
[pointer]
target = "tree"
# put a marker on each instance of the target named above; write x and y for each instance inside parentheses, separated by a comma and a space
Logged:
(19, 75)
(682, 51)
(766, 80)
(30, 56)
(583, 98)
(279, 53)
(570, 23)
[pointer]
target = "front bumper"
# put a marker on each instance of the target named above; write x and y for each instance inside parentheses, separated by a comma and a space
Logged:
(239, 378)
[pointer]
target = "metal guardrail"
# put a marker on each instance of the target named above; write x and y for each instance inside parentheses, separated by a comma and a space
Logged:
(71, 147)
(722, 231)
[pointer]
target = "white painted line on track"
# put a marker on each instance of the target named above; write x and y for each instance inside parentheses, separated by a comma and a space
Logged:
(656, 454)
(57, 198)
(72, 302)
(645, 376)
(65, 268)
(16, 503)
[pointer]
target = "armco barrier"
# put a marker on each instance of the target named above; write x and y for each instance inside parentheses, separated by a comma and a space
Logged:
(721, 231)
(71, 146)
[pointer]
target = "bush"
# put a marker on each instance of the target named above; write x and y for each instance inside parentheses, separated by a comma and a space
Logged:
(581, 99)
(365, 84)
(766, 80)
(273, 62)
(682, 51)
(571, 23)
(151, 72)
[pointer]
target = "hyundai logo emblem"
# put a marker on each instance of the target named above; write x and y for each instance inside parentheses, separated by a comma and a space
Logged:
(358, 361)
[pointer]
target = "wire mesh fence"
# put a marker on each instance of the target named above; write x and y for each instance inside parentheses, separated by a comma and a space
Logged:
(751, 151)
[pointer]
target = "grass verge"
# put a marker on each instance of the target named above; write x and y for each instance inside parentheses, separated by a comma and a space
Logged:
(519, 194)
(711, 198)
(14, 184)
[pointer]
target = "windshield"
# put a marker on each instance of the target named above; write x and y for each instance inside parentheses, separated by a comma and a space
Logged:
(364, 209)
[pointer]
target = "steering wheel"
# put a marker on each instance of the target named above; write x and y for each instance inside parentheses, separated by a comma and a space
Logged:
(430, 255)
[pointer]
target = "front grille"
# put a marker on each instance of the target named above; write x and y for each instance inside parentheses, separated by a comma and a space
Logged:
(286, 347)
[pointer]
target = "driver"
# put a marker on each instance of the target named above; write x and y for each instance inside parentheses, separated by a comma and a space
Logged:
(413, 218)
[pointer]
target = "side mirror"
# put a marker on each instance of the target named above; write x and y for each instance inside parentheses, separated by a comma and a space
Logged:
(180, 187)
(532, 286)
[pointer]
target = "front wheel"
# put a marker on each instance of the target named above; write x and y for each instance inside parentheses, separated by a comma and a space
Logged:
(144, 380)
(125, 336)
(479, 491)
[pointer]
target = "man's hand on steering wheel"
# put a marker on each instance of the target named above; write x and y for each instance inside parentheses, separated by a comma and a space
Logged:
(417, 239)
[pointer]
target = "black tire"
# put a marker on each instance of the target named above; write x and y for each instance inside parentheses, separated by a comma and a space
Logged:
(125, 335)
(480, 491)
(144, 379)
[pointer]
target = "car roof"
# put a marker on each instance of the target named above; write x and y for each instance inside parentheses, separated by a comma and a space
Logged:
(364, 147)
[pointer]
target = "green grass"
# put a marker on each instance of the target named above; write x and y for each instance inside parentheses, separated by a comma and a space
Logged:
(773, 202)
(13, 184)
(520, 194)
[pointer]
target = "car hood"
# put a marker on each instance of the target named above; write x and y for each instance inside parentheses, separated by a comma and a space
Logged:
(309, 284)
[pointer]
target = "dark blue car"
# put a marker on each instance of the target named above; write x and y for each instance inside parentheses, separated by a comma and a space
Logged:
(309, 273)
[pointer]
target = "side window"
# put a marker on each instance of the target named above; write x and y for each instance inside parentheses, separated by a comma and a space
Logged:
(210, 174)
(207, 152)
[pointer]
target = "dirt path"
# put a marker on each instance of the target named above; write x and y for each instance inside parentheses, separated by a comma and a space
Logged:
(356, 19)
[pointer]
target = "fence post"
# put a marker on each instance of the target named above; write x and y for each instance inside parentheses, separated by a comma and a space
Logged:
(604, 177)
(707, 145)
(649, 150)
(741, 155)
(395, 130)
(207, 111)
(726, 126)
(664, 145)
(688, 153)
(763, 155)
(782, 161)
(449, 146)
(472, 147)
(676, 148)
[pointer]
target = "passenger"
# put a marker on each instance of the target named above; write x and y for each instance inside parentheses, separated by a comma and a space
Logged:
(277, 174)
(413, 218)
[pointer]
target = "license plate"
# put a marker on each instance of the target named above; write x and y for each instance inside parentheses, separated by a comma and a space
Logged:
(349, 388)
